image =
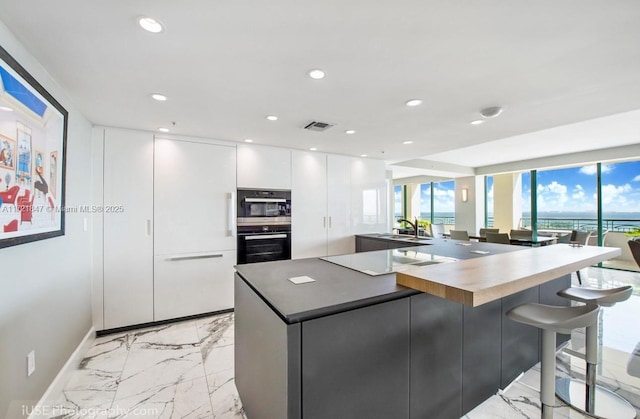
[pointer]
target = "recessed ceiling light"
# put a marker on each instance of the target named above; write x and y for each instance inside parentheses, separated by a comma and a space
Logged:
(316, 74)
(248, 140)
(414, 102)
(491, 112)
(150, 24)
(6, 109)
(159, 97)
(350, 131)
(163, 129)
(313, 149)
(477, 122)
(363, 155)
(407, 142)
(272, 118)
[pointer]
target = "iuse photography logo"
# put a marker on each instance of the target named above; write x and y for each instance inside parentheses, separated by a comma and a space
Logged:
(64, 411)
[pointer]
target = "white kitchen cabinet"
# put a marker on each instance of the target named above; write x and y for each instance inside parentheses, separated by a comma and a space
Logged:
(332, 199)
(308, 205)
(193, 283)
(263, 167)
(128, 240)
(194, 222)
(340, 239)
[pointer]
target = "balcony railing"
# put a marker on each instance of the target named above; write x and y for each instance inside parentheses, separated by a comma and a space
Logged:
(562, 223)
(585, 224)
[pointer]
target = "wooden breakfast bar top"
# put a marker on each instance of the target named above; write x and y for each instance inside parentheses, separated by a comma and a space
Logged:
(474, 282)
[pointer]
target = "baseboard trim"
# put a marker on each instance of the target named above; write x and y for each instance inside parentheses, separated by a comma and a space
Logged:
(105, 332)
(54, 390)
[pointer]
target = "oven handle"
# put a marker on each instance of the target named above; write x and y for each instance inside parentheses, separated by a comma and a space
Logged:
(266, 237)
(265, 200)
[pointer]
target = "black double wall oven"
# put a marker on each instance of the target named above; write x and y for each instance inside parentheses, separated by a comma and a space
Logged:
(264, 225)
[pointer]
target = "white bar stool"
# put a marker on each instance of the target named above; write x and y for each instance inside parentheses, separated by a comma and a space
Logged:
(582, 395)
(552, 320)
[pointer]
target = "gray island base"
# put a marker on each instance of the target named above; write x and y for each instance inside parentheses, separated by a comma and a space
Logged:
(352, 345)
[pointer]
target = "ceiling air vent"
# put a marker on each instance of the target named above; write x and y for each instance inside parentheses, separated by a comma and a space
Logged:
(318, 126)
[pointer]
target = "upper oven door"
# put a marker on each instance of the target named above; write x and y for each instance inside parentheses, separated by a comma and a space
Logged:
(260, 207)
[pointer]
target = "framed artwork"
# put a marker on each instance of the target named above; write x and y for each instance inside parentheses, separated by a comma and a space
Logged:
(33, 139)
(7, 153)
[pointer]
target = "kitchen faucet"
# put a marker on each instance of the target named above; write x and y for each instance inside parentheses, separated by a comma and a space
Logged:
(414, 225)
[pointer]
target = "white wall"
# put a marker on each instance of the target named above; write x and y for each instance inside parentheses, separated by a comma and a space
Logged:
(45, 294)
(470, 214)
(507, 204)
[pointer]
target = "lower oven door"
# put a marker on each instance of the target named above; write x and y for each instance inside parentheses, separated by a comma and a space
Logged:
(263, 247)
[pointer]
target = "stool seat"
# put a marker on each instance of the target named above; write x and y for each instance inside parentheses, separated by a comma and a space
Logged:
(582, 395)
(558, 319)
(552, 320)
(601, 297)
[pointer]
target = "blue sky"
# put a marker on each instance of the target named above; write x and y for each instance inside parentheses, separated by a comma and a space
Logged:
(574, 189)
(563, 190)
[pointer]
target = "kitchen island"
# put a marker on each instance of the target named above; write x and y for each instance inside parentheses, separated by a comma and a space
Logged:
(358, 345)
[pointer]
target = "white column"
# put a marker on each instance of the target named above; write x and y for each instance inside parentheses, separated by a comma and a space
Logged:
(470, 214)
(507, 201)
(413, 201)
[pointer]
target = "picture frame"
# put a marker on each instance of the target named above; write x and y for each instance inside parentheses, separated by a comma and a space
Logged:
(33, 140)
(7, 153)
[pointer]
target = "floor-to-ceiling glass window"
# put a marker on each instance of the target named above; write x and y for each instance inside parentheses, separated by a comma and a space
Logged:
(488, 201)
(621, 196)
(525, 200)
(566, 199)
(425, 201)
(398, 207)
(444, 206)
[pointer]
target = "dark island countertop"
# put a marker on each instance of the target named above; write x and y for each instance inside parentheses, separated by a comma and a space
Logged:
(336, 288)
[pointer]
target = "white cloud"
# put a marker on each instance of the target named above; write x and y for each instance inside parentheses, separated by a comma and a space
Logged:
(592, 169)
(552, 197)
(615, 194)
(636, 179)
(578, 193)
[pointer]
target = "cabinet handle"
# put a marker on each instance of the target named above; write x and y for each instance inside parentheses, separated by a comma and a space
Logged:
(329, 221)
(148, 227)
(324, 222)
(232, 214)
(176, 258)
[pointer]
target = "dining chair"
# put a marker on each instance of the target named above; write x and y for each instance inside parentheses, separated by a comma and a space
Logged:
(521, 234)
(459, 235)
(437, 230)
(634, 245)
(484, 231)
(502, 238)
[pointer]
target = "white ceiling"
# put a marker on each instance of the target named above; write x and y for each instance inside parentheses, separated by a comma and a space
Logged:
(226, 65)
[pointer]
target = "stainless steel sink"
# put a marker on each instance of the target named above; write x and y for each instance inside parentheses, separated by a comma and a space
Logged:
(426, 262)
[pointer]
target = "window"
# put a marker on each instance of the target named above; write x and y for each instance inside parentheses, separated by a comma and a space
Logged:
(620, 195)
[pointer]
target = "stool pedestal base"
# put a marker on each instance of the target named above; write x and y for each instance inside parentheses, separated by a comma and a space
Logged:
(608, 405)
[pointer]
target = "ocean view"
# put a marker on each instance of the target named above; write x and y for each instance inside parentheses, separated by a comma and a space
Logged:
(560, 220)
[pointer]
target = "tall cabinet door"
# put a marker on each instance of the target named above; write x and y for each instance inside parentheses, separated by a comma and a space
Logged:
(340, 238)
(128, 241)
(309, 219)
(369, 196)
(195, 243)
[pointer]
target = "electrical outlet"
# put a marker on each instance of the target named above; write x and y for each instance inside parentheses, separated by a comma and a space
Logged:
(31, 363)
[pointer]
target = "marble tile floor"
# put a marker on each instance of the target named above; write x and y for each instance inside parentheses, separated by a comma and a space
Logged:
(177, 370)
(185, 369)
